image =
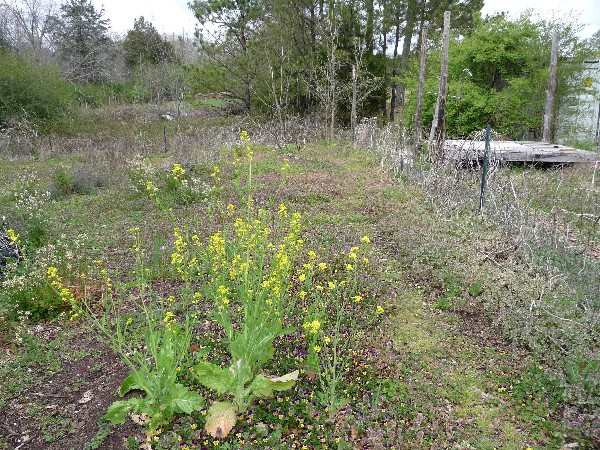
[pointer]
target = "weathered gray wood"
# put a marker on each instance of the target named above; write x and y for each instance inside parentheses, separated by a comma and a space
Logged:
(512, 151)
(353, 113)
(549, 110)
(419, 110)
(436, 136)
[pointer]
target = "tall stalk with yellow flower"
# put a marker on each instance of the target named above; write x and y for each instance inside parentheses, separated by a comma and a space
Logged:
(246, 270)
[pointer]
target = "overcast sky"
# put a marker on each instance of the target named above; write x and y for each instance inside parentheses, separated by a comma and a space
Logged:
(174, 16)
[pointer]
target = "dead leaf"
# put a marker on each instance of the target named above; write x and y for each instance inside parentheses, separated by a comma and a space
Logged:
(140, 419)
(220, 419)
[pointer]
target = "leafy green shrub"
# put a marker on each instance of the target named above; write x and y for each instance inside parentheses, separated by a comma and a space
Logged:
(176, 186)
(32, 91)
(26, 289)
(79, 180)
(62, 181)
(100, 94)
(28, 214)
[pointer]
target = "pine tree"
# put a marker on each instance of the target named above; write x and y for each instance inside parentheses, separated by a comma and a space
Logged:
(144, 45)
(81, 40)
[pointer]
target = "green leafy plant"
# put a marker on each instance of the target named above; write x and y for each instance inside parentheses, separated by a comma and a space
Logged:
(247, 274)
(155, 351)
(174, 187)
(164, 397)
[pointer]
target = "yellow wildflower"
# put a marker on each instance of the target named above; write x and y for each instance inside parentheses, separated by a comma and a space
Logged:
(366, 239)
(380, 310)
(323, 266)
(222, 290)
(177, 171)
(312, 327)
(302, 277)
(14, 237)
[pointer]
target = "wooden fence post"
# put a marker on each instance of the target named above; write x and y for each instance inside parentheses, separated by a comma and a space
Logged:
(547, 132)
(419, 110)
(436, 136)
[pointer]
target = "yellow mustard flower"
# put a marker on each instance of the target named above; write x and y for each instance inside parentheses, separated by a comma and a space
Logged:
(13, 236)
(177, 171)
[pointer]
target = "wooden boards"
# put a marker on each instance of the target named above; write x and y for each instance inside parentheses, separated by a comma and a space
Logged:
(513, 151)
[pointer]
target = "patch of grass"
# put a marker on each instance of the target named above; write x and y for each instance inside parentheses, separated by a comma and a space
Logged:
(96, 442)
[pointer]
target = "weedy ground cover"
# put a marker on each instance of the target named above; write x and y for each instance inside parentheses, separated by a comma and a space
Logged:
(253, 296)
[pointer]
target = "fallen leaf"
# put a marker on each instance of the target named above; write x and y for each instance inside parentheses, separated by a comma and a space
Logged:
(220, 419)
(140, 419)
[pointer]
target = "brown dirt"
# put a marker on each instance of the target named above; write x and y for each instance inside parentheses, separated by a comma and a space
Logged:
(64, 412)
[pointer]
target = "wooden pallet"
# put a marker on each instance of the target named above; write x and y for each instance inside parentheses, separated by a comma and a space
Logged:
(513, 151)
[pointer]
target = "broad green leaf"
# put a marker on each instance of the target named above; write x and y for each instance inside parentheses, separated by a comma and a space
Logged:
(264, 387)
(184, 400)
(214, 377)
(134, 381)
(165, 360)
(220, 419)
(117, 412)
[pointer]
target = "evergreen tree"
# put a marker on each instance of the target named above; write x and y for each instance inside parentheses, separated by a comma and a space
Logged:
(144, 45)
(81, 40)
(229, 38)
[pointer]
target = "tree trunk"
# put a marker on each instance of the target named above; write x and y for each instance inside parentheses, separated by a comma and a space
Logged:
(370, 27)
(394, 72)
(411, 16)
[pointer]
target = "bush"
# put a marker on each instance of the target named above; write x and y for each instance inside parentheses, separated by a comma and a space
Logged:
(32, 91)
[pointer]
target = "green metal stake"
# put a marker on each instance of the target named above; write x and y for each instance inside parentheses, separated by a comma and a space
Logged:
(484, 169)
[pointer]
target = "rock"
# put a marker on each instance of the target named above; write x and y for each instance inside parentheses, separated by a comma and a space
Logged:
(8, 251)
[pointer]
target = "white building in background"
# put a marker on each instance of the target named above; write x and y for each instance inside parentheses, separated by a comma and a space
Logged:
(578, 121)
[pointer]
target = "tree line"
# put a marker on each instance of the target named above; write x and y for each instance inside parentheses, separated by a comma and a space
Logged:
(340, 58)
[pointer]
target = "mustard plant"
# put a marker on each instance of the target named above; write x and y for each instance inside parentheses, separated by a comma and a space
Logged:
(245, 271)
(331, 292)
(175, 186)
(155, 347)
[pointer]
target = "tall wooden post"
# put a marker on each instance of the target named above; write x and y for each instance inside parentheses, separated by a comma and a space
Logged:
(436, 136)
(354, 95)
(547, 132)
(419, 110)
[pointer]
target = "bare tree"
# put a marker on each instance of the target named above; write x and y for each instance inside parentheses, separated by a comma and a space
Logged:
(26, 24)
